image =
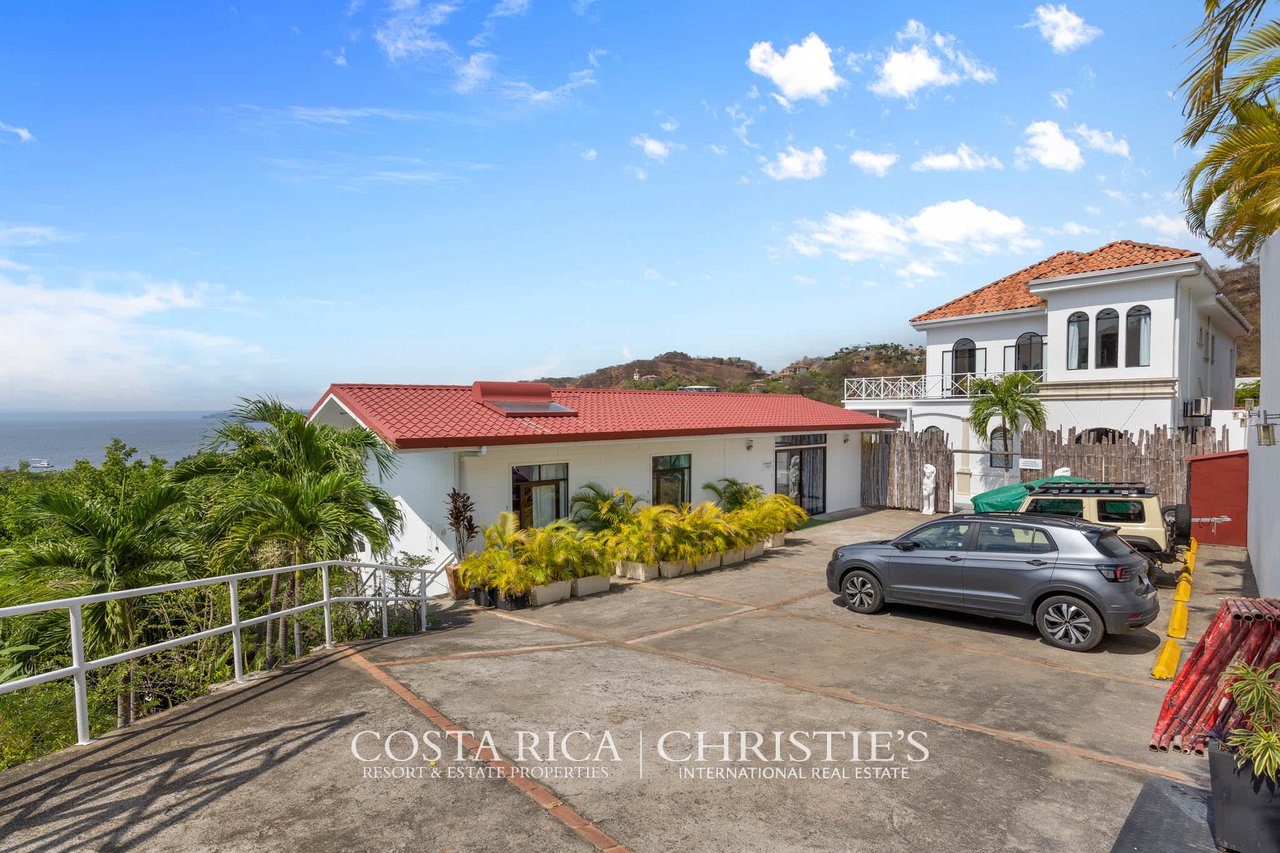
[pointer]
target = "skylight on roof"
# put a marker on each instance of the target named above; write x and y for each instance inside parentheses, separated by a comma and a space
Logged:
(522, 407)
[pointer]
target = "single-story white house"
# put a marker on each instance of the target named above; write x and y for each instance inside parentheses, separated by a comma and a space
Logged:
(527, 447)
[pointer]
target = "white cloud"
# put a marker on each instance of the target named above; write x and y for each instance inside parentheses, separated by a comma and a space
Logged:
(590, 154)
(1115, 195)
(408, 32)
(953, 228)
(873, 162)
(1102, 140)
(1061, 98)
(338, 57)
(510, 8)
(805, 70)
(1071, 229)
(1063, 29)
(1169, 227)
(1047, 146)
(593, 56)
(519, 90)
(1092, 210)
(918, 269)
(654, 149)
(718, 150)
(930, 60)
(30, 235)
(742, 125)
(638, 173)
(963, 159)
(342, 115)
(22, 133)
(795, 163)
(474, 73)
(114, 341)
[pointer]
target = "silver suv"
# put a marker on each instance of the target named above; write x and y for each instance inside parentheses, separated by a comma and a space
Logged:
(1075, 581)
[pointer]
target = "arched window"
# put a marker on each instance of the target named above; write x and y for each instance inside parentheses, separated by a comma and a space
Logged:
(964, 363)
(1028, 353)
(934, 433)
(1078, 341)
(1137, 337)
(999, 459)
(1108, 339)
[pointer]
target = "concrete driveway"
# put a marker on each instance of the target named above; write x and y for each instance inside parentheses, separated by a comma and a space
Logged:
(1028, 747)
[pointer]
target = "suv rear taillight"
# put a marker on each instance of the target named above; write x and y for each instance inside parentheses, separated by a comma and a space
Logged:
(1115, 572)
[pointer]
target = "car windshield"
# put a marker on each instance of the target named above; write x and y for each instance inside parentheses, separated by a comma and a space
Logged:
(1112, 545)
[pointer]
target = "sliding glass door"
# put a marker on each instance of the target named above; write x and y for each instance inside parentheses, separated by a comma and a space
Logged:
(801, 473)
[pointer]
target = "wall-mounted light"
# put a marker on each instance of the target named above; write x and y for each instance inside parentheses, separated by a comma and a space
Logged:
(846, 438)
(1266, 435)
(750, 444)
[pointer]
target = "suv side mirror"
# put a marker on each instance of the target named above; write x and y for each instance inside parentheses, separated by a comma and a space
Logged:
(905, 545)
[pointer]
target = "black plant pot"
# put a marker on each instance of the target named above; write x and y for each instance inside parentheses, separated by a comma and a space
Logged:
(484, 596)
(515, 602)
(1246, 807)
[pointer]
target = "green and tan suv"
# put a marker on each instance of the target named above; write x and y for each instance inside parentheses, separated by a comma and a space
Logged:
(1132, 508)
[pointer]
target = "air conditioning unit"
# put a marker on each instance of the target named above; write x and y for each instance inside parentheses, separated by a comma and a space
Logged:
(1200, 407)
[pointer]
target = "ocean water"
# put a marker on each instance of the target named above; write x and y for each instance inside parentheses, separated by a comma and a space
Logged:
(64, 437)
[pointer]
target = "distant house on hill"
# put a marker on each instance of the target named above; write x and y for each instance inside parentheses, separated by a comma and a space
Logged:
(527, 447)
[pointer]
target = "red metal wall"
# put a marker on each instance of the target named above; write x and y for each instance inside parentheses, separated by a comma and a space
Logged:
(1220, 486)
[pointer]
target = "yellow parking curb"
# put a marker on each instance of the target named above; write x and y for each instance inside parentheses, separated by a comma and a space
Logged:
(1178, 621)
(1183, 590)
(1167, 660)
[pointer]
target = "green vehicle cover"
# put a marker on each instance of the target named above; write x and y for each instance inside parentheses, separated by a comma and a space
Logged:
(1009, 498)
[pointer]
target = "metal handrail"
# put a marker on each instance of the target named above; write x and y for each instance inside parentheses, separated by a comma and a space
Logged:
(80, 667)
(922, 386)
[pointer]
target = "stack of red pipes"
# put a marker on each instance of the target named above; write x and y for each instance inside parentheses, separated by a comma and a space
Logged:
(1198, 706)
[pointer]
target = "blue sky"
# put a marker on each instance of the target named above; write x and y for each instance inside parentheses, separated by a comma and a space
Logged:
(201, 201)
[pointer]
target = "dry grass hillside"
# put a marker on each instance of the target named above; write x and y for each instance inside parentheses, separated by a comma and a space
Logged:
(1241, 286)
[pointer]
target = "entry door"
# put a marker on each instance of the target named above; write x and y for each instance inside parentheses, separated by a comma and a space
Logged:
(801, 473)
(539, 504)
(1004, 565)
(933, 571)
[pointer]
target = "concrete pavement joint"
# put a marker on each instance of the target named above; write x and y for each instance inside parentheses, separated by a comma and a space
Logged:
(844, 696)
(491, 653)
(539, 793)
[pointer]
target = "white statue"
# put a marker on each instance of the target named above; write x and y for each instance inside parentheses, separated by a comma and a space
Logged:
(929, 486)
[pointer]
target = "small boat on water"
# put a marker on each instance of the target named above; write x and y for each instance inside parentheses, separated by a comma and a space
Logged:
(35, 463)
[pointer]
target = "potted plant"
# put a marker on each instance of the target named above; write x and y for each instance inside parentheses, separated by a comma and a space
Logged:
(751, 524)
(778, 514)
(546, 554)
(1243, 771)
(673, 542)
(709, 535)
(475, 573)
(589, 567)
(633, 545)
(461, 520)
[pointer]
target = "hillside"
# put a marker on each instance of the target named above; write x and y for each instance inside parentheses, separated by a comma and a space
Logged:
(1241, 286)
(820, 378)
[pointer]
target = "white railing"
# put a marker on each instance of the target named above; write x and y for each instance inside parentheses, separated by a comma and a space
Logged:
(919, 387)
(80, 668)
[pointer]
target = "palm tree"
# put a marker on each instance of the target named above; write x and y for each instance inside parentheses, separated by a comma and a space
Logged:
(262, 443)
(98, 547)
(734, 494)
(594, 509)
(316, 516)
(1011, 398)
(1233, 191)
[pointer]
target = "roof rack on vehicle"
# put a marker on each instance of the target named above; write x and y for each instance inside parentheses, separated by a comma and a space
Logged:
(1091, 489)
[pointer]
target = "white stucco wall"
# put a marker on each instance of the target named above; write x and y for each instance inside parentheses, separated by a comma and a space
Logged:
(628, 465)
(991, 333)
(1156, 293)
(1264, 462)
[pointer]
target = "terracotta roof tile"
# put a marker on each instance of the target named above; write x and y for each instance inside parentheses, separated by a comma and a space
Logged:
(418, 416)
(1011, 292)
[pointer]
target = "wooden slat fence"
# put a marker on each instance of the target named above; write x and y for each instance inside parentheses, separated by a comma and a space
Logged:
(1156, 457)
(893, 468)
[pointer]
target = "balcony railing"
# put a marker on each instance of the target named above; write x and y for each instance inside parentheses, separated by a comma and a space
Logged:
(921, 387)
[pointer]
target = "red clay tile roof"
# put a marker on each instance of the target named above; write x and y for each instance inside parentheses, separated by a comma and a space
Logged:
(419, 416)
(1011, 292)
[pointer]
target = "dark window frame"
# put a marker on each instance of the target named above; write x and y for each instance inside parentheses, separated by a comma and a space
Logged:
(1107, 355)
(686, 480)
(1079, 360)
(561, 484)
(995, 446)
(1134, 356)
(1010, 525)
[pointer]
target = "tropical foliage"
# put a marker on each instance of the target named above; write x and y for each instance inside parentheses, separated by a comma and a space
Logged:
(1233, 191)
(266, 489)
(1256, 692)
(1010, 399)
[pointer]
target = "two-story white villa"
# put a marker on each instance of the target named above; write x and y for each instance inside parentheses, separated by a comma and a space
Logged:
(1126, 337)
